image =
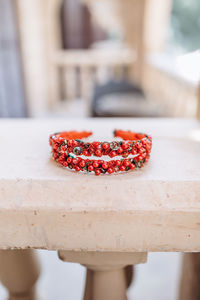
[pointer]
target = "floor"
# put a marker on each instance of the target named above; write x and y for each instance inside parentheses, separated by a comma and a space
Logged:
(156, 280)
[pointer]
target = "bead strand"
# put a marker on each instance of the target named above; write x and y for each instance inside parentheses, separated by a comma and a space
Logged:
(71, 152)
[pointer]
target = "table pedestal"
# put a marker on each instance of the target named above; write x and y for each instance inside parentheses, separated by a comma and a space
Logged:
(108, 273)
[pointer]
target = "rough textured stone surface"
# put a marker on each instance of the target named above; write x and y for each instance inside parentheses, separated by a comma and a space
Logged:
(43, 205)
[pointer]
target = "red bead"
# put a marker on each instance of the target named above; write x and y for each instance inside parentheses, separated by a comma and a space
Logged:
(91, 149)
(70, 143)
(132, 166)
(55, 155)
(142, 150)
(112, 154)
(55, 147)
(82, 163)
(65, 163)
(90, 168)
(77, 168)
(75, 161)
(63, 148)
(148, 148)
(100, 162)
(117, 163)
(134, 151)
(105, 146)
(105, 165)
(136, 158)
(140, 157)
(97, 172)
(122, 168)
(144, 142)
(95, 164)
(125, 146)
(62, 157)
(69, 160)
(120, 150)
(59, 160)
(126, 162)
(96, 144)
(110, 170)
(98, 152)
(85, 153)
(139, 145)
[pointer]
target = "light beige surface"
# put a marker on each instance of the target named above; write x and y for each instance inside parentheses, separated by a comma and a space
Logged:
(43, 205)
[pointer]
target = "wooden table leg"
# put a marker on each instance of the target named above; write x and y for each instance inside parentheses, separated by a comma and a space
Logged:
(107, 277)
(190, 277)
(19, 271)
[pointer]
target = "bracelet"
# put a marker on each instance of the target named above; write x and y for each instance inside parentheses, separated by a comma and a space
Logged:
(69, 150)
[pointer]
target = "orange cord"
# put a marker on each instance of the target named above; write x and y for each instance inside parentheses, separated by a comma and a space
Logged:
(71, 135)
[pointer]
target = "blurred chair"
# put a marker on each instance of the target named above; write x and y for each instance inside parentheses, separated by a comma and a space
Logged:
(122, 99)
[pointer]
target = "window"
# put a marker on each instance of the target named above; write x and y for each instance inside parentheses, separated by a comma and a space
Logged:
(185, 26)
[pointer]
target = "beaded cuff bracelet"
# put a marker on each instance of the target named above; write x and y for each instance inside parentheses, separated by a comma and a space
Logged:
(69, 150)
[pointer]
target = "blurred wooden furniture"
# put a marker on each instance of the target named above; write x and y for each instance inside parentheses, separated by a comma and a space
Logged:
(144, 25)
(81, 69)
(123, 99)
(40, 41)
(104, 222)
(49, 76)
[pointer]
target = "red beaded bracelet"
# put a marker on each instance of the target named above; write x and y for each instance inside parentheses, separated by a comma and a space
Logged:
(71, 151)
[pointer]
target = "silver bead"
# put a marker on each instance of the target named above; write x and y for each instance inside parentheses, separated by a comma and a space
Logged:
(114, 146)
(78, 150)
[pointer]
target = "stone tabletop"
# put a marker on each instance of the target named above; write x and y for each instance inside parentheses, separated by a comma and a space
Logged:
(43, 205)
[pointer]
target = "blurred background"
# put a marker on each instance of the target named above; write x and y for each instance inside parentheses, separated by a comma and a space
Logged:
(101, 58)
